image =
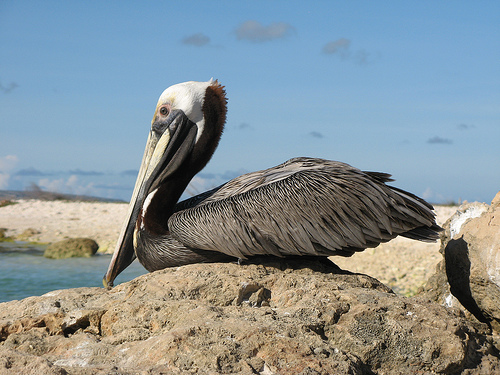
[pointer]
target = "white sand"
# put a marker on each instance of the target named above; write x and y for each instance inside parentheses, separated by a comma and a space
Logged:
(57, 220)
(402, 264)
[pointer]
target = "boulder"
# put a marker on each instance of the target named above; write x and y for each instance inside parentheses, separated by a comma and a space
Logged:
(72, 247)
(468, 277)
(263, 317)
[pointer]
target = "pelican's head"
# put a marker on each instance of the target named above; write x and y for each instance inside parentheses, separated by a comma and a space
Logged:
(185, 130)
(187, 97)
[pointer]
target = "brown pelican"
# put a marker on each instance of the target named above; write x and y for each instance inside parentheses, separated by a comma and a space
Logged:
(304, 206)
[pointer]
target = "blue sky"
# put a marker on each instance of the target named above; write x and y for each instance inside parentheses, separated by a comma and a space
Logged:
(408, 88)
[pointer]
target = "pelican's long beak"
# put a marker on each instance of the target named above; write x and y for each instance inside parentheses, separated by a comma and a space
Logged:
(169, 144)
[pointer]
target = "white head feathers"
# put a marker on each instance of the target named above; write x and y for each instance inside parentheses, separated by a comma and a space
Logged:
(187, 96)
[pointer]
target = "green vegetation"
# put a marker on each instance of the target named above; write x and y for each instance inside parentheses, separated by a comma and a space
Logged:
(4, 237)
(6, 202)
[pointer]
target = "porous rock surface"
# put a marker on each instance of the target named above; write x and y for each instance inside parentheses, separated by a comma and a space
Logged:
(468, 277)
(277, 317)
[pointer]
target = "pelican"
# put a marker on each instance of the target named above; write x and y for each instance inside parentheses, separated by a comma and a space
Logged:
(305, 206)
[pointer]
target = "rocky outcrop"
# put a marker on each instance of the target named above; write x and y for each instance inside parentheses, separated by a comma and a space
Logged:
(469, 275)
(3, 235)
(72, 247)
(277, 317)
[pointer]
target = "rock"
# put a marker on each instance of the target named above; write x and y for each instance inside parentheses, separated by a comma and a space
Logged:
(6, 202)
(469, 275)
(15, 362)
(277, 317)
(3, 234)
(73, 247)
(27, 234)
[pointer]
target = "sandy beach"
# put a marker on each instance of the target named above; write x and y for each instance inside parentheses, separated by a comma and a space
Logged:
(402, 264)
(51, 221)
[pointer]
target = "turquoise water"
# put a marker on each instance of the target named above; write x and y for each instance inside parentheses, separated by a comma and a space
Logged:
(24, 271)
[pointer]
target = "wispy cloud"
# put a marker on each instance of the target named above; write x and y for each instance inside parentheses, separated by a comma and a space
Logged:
(71, 185)
(32, 172)
(316, 134)
(7, 164)
(9, 88)
(439, 140)
(465, 126)
(197, 40)
(434, 197)
(206, 176)
(361, 56)
(206, 181)
(79, 172)
(130, 172)
(244, 126)
(342, 48)
(113, 186)
(37, 173)
(254, 31)
(427, 194)
(338, 47)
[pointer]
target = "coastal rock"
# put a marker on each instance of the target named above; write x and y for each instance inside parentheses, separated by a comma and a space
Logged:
(72, 247)
(3, 234)
(469, 275)
(263, 317)
(27, 234)
(6, 202)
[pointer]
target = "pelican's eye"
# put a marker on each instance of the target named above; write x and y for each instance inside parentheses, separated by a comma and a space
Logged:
(164, 111)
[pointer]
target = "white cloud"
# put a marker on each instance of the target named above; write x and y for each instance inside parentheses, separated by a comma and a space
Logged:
(437, 198)
(7, 164)
(199, 185)
(427, 194)
(254, 31)
(71, 185)
(4, 180)
(207, 181)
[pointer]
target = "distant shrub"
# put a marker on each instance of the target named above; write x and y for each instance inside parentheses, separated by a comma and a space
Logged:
(6, 202)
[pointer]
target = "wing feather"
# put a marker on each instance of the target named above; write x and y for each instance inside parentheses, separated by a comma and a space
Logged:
(302, 207)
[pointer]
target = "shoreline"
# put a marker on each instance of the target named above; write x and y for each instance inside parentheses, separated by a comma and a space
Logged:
(51, 221)
(402, 264)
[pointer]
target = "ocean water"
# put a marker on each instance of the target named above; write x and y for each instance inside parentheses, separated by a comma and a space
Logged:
(24, 271)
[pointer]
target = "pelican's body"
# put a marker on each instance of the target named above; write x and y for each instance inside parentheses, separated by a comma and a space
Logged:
(304, 206)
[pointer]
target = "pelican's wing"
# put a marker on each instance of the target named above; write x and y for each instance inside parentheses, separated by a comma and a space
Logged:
(302, 207)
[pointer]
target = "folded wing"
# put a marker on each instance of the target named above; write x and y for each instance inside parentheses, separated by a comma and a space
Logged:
(304, 206)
